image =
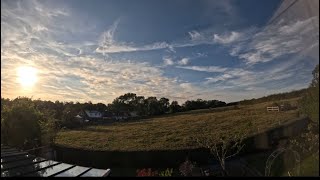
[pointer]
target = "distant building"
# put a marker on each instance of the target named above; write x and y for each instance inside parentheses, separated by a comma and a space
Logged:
(94, 115)
(90, 115)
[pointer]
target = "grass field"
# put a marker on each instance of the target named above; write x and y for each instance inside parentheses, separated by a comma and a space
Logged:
(169, 132)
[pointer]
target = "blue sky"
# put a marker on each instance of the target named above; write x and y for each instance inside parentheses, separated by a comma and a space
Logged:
(181, 49)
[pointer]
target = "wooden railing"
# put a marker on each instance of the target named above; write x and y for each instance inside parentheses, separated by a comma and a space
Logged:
(274, 108)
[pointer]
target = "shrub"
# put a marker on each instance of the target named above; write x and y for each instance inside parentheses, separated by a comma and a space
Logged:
(167, 172)
(20, 126)
(186, 168)
(146, 172)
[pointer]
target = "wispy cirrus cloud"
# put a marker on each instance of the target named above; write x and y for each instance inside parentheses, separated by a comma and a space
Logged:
(169, 61)
(109, 45)
(245, 79)
(195, 36)
(272, 41)
(183, 61)
(225, 9)
(69, 70)
(90, 78)
(204, 68)
(227, 38)
(256, 45)
(78, 61)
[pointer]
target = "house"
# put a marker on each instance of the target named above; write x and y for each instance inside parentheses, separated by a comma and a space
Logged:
(91, 115)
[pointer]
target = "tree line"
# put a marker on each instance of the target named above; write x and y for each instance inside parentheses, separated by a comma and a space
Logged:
(129, 102)
(153, 106)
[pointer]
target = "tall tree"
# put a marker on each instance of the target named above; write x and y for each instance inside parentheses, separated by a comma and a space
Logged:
(152, 106)
(20, 124)
(164, 105)
(174, 107)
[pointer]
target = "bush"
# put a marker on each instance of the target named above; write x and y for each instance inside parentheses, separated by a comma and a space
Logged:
(310, 104)
(20, 126)
(166, 173)
(25, 126)
(186, 168)
(146, 172)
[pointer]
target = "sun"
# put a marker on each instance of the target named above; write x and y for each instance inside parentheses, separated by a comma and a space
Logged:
(27, 76)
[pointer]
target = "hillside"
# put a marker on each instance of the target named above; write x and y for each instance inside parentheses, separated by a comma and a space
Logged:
(170, 132)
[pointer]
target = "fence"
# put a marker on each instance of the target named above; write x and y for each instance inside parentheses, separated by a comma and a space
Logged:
(274, 108)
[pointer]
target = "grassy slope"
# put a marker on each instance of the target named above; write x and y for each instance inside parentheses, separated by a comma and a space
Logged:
(169, 132)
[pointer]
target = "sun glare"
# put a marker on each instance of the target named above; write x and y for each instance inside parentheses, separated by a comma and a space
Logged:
(27, 76)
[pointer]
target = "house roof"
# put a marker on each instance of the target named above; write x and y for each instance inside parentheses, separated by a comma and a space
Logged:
(93, 113)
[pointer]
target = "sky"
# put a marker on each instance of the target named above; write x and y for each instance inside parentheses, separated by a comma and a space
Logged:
(98, 50)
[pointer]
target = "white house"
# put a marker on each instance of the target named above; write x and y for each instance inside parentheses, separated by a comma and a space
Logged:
(93, 114)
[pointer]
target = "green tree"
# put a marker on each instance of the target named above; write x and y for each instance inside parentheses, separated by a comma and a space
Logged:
(139, 105)
(124, 102)
(174, 107)
(310, 101)
(152, 106)
(20, 124)
(164, 105)
(68, 116)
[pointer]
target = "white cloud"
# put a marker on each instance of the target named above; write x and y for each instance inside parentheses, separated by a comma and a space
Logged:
(69, 72)
(109, 45)
(40, 28)
(183, 61)
(195, 36)
(90, 78)
(199, 55)
(218, 78)
(227, 38)
(204, 68)
(244, 79)
(168, 61)
(276, 40)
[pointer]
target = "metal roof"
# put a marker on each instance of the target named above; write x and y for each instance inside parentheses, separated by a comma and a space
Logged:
(19, 163)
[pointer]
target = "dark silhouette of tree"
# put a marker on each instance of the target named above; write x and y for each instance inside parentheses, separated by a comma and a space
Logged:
(20, 124)
(152, 106)
(164, 105)
(174, 107)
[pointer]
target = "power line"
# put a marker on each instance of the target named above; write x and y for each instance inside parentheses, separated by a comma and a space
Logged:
(282, 12)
